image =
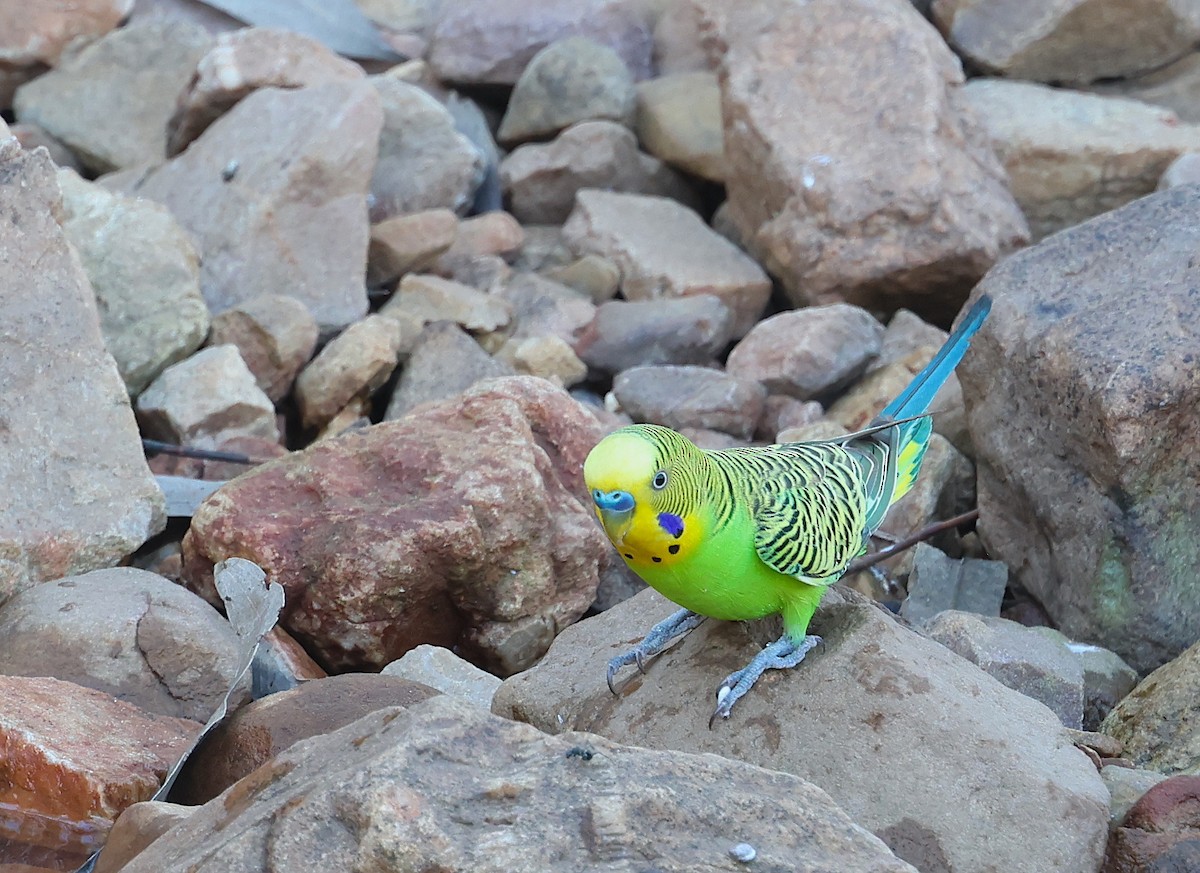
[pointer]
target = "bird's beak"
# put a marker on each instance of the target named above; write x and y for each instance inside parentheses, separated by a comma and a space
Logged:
(615, 510)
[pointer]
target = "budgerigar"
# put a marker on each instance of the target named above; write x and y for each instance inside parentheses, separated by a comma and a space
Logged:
(743, 533)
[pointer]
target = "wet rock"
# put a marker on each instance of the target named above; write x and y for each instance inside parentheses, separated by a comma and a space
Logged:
(679, 121)
(408, 242)
(845, 719)
(681, 397)
(805, 353)
(443, 362)
(686, 330)
(665, 250)
(128, 633)
(442, 669)
(541, 180)
(72, 470)
(1071, 41)
(1158, 722)
(275, 334)
(1081, 402)
(355, 364)
(570, 80)
(912, 215)
(1161, 832)
(255, 229)
(1071, 156)
(424, 162)
(465, 523)
(449, 765)
(35, 36)
(490, 42)
(938, 583)
(145, 274)
(110, 102)
(137, 827)
(206, 400)
(77, 757)
(259, 731)
(1020, 657)
(430, 298)
(240, 63)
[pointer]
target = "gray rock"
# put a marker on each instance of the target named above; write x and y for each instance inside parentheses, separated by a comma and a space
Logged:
(683, 397)
(1107, 679)
(452, 768)
(1020, 657)
(146, 276)
(444, 362)
(72, 472)
(625, 334)
(938, 582)
(440, 668)
(922, 747)
(1126, 785)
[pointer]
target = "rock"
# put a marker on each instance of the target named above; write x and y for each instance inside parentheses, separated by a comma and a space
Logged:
(679, 121)
(1018, 656)
(1173, 87)
(447, 765)
(30, 136)
(206, 400)
(208, 17)
(1081, 402)
(35, 36)
(259, 731)
(490, 42)
(1107, 679)
(1126, 785)
(665, 250)
(912, 215)
(424, 162)
(145, 274)
(256, 229)
(572, 79)
(1161, 832)
(938, 583)
(408, 242)
(406, 16)
(139, 825)
(1071, 41)
(541, 180)
(442, 669)
(1157, 722)
(110, 102)
(543, 249)
(467, 523)
(846, 719)
(781, 413)
(275, 334)
(1184, 170)
(494, 233)
(542, 307)
(72, 469)
(593, 275)
(444, 362)
(240, 63)
(677, 39)
(548, 357)
(906, 333)
(355, 364)
(1071, 156)
(686, 330)
(75, 757)
(691, 397)
(128, 633)
(806, 353)
(430, 298)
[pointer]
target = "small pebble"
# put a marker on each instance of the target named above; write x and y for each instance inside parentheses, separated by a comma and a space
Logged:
(743, 852)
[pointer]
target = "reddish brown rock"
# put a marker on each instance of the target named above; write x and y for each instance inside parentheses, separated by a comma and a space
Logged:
(77, 756)
(907, 206)
(275, 335)
(462, 524)
(136, 828)
(1161, 832)
(257, 220)
(262, 729)
(409, 242)
(244, 61)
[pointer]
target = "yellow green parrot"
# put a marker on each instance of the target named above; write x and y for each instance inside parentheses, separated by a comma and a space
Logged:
(743, 533)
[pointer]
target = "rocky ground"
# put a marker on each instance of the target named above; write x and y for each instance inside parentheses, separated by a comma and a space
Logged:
(414, 283)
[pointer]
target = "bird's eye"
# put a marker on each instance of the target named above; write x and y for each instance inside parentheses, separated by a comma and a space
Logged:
(659, 482)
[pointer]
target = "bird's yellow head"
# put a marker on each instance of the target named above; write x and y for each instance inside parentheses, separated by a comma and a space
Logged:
(645, 483)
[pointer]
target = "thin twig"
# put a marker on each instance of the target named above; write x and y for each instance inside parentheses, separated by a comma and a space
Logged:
(908, 542)
(157, 447)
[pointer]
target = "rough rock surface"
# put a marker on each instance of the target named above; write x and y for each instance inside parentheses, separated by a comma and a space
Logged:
(679, 121)
(258, 232)
(135, 828)
(683, 397)
(443, 362)
(444, 786)
(275, 335)
(1082, 402)
(1161, 832)
(126, 632)
(461, 524)
(911, 215)
(72, 474)
(686, 330)
(357, 362)
(914, 742)
(442, 669)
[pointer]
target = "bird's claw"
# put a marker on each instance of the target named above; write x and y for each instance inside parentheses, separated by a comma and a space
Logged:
(782, 654)
(659, 638)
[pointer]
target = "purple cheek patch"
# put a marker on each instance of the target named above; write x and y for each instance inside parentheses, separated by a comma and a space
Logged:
(671, 523)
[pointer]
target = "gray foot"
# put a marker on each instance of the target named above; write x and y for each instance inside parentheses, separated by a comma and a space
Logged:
(782, 654)
(659, 637)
